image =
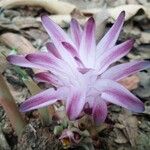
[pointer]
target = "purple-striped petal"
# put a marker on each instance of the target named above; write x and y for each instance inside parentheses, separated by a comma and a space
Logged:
(48, 61)
(70, 48)
(58, 36)
(87, 46)
(43, 59)
(79, 62)
(99, 112)
(76, 32)
(121, 71)
(113, 55)
(55, 31)
(53, 50)
(57, 66)
(42, 99)
(75, 103)
(48, 78)
(20, 60)
(115, 93)
(110, 38)
(83, 70)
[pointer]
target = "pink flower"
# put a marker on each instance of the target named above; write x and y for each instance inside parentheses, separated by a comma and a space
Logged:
(80, 70)
(70, 136)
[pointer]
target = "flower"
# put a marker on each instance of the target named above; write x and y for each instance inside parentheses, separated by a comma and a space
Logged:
(69, 137)
(81, 72)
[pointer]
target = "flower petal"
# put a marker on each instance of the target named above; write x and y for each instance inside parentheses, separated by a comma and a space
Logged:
(67, 74)
(58, 36)
(67, 134)
(87, 46)
(121, 71)
(76, 32)
(55, 31)
(48, 61)
(72, 134)
(113, 55)
(115, 93)
(53, 50)
(83, 70)
(49, 78)
(110, 38)
(70, 48)
(75, 103)
(43, 59)
(42, 99)
(99, 112)
(20, 60)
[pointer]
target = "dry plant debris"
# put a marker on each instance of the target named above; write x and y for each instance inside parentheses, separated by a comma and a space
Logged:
(21, 29)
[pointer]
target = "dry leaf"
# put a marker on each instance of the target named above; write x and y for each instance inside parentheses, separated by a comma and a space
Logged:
(143, 90)
(141, 53)
(52, 6)
(86, 4)
(143, 2)
(25, 22)
(147, 108)
(45, 113)
(131, 127)
(17, 41)
(32, 86)
(62, 20)
(20, 94)
(20, 43)
(100, 20)
(145, 38)
(114, 3)
(3, 141)
(3, 63)
(90, 11)
(130, 10)
(132, 2)
(38, 35)
(121, 139)
(5, 23)
(7, 101)
(130, 82)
